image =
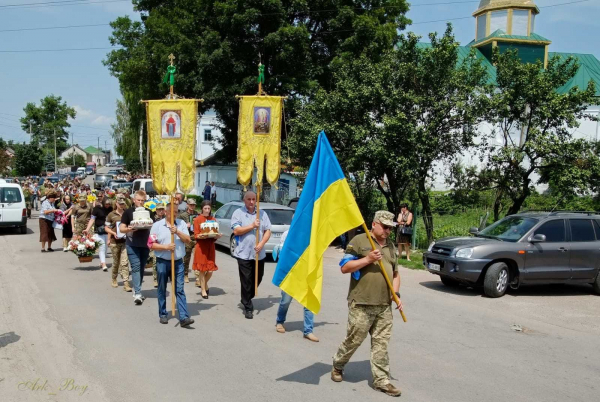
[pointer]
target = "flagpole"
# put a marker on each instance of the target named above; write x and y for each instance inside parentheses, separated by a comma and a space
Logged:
(385, 275)
(257, 236)
(172, 259)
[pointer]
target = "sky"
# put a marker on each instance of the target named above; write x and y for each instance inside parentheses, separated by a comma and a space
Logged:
(81, 79)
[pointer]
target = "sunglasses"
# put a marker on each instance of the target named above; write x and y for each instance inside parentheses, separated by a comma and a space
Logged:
(385, 227)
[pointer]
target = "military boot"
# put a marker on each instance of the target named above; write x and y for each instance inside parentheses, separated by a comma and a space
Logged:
(126, 286)
(114, 283)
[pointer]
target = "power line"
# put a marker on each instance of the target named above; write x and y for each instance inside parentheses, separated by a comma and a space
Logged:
(59, 27)
(58, 3)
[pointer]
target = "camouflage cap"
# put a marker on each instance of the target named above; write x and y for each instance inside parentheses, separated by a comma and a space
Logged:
(160, 205)
(385, 218)
(191, 201)
(121, 199)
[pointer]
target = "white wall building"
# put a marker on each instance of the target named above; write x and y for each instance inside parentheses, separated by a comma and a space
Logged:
(75, 149)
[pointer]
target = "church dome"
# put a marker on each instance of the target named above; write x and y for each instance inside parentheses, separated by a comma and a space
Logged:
(488, 5)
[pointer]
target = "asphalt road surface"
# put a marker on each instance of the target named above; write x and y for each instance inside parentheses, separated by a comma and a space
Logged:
(67, 335)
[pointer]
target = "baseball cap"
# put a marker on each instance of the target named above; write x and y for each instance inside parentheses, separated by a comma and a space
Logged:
(385, 218)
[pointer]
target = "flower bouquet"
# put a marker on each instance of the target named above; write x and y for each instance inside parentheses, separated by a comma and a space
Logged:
(84, 247)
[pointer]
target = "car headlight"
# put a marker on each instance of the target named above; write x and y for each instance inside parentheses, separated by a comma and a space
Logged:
(431, 246)
(464, 253)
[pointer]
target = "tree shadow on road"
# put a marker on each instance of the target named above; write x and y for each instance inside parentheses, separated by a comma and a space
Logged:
(354, 372)
(459, 290)
(8, 338)
(292, 326)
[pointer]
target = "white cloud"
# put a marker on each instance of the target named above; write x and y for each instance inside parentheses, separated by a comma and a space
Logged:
(89, 116)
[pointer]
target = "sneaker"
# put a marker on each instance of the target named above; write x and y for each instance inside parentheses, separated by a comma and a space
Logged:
(248, 314)
(164, 320)
(280, 328)
(138, 300)
(186, 279)
(105, 268)
(311, 337)
(155, 284)
(389, 389)
(337, 375)
(185, 322)
(143, 298)
(65, 250)
(114, 283)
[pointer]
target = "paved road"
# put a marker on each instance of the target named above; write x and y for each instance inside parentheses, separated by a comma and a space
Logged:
(62, 320)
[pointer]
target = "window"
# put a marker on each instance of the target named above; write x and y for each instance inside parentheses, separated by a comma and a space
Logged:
(220, 214)
(582, 230)
(481, 22)
(231, 210)
(519, 22)
(207, 135)
(499, 20)
(136, 186)
(553, 230)
(280, 216)
(509, 229)
(10, 195)
(149, 187)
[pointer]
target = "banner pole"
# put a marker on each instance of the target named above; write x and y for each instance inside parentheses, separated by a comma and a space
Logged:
(381, 267)
(257, 235)
(172, 260)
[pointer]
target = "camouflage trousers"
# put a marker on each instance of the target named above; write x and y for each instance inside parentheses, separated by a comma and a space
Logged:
(362, 320)
(120, 261)
(189, 251)
(79, 228)
(153, 259)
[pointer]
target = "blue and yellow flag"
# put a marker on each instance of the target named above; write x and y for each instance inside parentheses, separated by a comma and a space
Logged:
(326, 210)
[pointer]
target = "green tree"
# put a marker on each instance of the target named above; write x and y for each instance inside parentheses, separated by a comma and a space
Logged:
(73, 159)
(217, 45)
(48, 119)
(395, 118)
(535, 121)
(130, 116)
(49, 162)
(28, 159)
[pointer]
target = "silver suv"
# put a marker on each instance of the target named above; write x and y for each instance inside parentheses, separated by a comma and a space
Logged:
(526, 248)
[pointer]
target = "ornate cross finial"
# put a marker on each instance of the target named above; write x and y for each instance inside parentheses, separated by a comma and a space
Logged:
(171, 57)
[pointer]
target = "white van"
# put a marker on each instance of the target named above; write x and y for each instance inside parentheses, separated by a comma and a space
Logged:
(13, 211)
(143, 184)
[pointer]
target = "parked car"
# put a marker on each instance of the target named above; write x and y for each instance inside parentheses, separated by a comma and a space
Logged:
(114, 172)
(144, 184)
(101, 179)
(522, 249)
(114, 184)
(293, 203)
(13, 211)
(279, 215)
(81, 172)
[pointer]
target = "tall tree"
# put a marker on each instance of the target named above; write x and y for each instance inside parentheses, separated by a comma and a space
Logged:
(5, 159)
(28, 159)
(395, 118)
(130, 119)
(535, 122)
(217, 45)
(48, 119)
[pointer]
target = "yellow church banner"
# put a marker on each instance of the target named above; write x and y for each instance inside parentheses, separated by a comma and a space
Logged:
(259, 137)
(172, 141)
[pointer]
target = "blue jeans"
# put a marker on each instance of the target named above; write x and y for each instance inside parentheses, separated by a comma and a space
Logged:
(137, 259)
(284, 305)
(163, 272)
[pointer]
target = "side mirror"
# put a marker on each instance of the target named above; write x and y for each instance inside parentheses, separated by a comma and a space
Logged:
(538, 238)
(473, 230)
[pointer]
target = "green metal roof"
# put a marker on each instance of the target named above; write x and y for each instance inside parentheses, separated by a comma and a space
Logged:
(92, 150)
(589, 70)
(500, 34)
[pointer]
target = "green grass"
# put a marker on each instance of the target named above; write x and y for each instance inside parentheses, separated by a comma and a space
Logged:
(416, 261)
(448, 225)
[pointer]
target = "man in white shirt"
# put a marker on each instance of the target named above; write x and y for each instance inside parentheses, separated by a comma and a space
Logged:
(160, 238)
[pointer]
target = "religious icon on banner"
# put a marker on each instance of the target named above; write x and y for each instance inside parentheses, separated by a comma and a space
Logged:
(262, 120)
(170, 124)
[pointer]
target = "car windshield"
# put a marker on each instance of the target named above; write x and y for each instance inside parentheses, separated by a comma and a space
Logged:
(280, 216)
(511, 228)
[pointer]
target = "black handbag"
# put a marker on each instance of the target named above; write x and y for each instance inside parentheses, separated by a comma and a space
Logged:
(406, 230)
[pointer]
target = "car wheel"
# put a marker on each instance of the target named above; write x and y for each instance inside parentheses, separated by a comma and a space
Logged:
(596, 284)
(449, 281)
(232, 244)
(23, 230)
(496, 280)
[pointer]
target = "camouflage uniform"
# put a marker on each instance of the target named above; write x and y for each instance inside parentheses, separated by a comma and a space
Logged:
(189, 247)
(369, 305)
(363, 320)
(120, 261)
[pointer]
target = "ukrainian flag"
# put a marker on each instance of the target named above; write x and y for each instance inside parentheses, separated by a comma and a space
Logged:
(326, 210)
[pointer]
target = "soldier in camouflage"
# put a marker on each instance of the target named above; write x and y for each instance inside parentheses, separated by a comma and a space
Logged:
(188, 216)
(369, 301)
(160, 213)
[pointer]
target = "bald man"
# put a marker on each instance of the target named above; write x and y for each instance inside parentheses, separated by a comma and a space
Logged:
(245, 225)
